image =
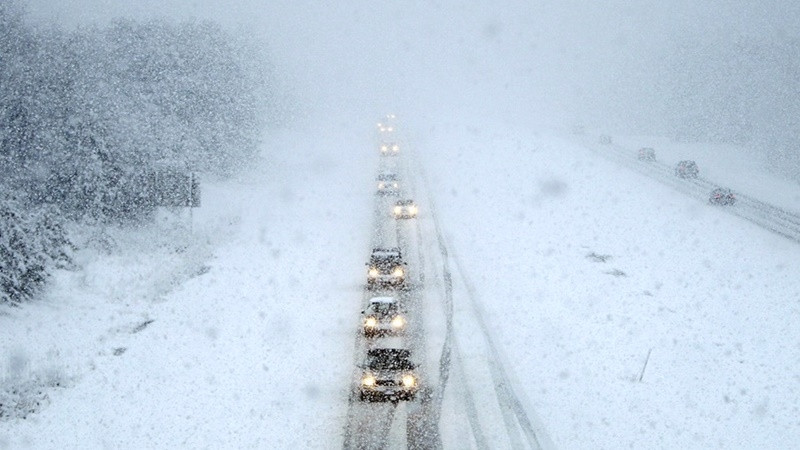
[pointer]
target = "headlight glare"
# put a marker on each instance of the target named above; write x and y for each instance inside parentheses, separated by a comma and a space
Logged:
(409, 381)
(398, 322)
(373, 272)
(368, 380)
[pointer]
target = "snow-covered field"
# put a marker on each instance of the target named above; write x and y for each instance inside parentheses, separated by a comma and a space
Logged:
(583, 269)
(254, 350)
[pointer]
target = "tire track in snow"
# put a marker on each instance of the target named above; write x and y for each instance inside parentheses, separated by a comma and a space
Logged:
(506, 395)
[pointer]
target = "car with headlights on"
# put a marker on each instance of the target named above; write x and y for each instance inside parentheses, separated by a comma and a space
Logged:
(405, 209)
(383, 317)
(687, 169)
(390, 149)
(386, 268)
(388, 184)
(722, 196)
(386, 125)
(388, 374)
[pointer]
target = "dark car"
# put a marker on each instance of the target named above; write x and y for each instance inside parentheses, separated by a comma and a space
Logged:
(605, 139)
(386, 268)
(646, 154)
(687, 169)
(722, 196)
(388, 184)
(388, 375)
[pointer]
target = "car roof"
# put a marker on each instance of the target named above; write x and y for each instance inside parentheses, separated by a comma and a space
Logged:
(386, 251)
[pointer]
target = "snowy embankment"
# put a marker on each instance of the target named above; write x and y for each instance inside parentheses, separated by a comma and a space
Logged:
(250, 343)
(586, 269)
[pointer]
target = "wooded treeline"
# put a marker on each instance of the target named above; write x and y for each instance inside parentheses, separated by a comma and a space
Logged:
(87, 115)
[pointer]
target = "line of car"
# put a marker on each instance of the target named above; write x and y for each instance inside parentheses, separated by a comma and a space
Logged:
(688, 169)
(388, 369)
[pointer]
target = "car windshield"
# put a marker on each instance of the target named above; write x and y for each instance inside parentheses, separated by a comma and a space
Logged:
(383, 307)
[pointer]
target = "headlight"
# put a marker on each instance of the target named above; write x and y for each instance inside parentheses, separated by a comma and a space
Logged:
(398, 322)
(368, 380)
(398, 210)
(408, 381)
(396, 148)
(373, 272)
(380, 185)
(412, 210)
(384, 148)
(397, 272)
(389, 128)
(371, 322)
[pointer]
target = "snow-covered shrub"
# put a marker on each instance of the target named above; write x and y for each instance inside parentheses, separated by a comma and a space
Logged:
(32, 242)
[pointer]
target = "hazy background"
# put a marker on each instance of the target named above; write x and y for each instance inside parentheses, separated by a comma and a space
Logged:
(716, 70)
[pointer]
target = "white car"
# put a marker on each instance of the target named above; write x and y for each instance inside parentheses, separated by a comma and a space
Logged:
(405, 209)
(390, 149)
(383, 317)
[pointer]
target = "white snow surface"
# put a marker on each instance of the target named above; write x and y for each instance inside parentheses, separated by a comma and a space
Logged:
(253, 319)
(713, 298)
(255, 353)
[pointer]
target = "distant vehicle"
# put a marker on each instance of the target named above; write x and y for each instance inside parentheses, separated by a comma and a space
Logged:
(390, 149)
(386, 268)
(405, 209)
(383, 316)
(388, 375)
(646, 154)
(687, 169)
(605, 139)
(388, 184)
(386, 124)
(722, 196)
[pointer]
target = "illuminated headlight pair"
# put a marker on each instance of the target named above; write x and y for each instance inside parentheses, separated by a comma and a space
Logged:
(373, 272)
(369, 381)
